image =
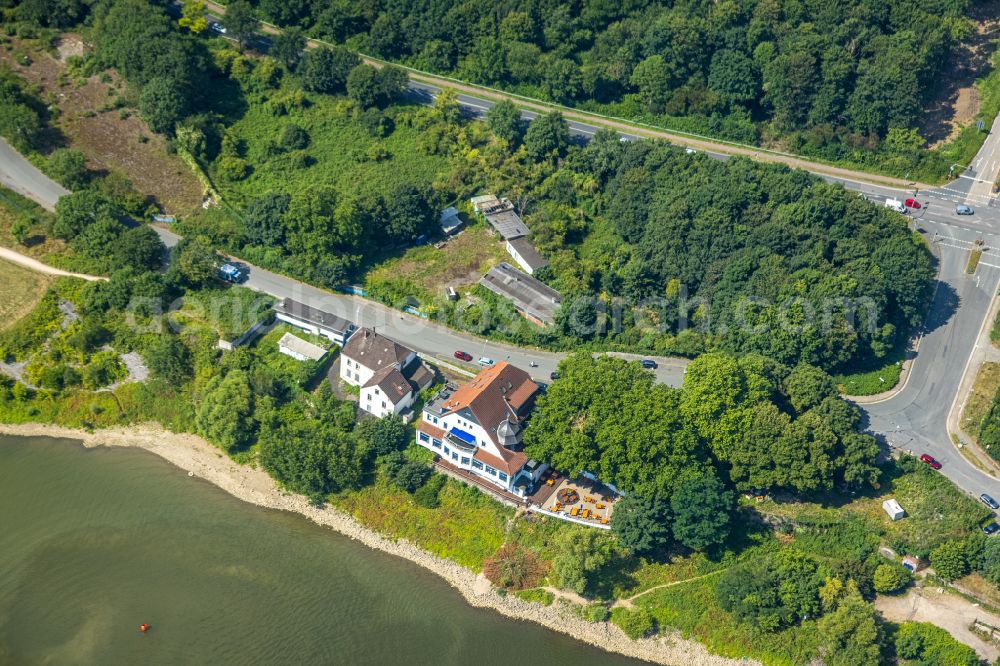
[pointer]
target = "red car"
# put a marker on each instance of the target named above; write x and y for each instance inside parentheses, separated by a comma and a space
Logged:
(463, 356)
(930, 461)
(912, 203)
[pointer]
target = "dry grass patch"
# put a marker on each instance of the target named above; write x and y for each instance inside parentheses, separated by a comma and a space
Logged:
(22, 289)
(110, 138)
(459, 263)
(978, 404)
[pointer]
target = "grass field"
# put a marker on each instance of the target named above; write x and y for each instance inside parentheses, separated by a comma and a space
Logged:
(424, 271)
(985, 387)
(873, 378)
(468, 527)
(339, 149)
(22, 289)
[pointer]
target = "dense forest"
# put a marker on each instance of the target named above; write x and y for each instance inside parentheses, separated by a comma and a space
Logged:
(823, 78)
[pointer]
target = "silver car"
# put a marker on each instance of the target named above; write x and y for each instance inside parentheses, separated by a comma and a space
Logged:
(963, 210)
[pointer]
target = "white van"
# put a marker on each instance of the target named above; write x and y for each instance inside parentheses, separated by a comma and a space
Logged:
(896, 205)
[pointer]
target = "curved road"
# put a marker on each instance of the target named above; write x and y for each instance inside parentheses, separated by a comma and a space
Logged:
(915, 418)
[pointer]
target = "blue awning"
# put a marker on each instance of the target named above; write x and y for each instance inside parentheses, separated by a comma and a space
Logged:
(466, 437)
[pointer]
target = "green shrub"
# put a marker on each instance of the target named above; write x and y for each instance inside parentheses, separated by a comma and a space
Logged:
(890, 578)
(594, 612)
(636, 623)
(924, 643)
(426, 495)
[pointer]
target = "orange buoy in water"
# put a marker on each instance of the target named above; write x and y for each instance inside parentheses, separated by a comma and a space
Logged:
(143, 627)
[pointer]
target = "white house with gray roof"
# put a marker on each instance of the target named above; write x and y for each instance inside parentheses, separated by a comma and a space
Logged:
(388, 374)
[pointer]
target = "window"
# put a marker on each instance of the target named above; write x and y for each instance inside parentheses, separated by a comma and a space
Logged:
(377, 393)
(369, 396)
(447, 450)
(383, 404)
(436, 443)
(435, 419)
(503, 477)
(477, 464)
(454, 456)
(424, 437)
(491, 471)
(465, 461)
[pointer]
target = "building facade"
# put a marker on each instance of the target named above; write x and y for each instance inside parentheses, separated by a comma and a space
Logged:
(478, 427)
(388, 374)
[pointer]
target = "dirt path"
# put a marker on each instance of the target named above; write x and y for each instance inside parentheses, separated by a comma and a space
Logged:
(35, 265)
(948, 611)
(628, 602)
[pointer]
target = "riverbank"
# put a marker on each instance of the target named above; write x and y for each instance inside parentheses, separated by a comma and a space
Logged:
(201, 459)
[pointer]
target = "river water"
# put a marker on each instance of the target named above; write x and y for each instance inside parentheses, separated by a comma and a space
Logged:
(95, 542)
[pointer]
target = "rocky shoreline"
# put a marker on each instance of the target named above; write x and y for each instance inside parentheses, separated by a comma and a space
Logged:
(201, 459)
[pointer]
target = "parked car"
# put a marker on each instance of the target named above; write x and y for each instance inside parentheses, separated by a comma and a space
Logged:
(930, 461)
(992, 528)
(232, 273)
(648, 363)
(912, 203)
(553, 376)
(486, 361)
(463, 356)
(963, 210)
(989, 501)
(217, 27)
(896, 205)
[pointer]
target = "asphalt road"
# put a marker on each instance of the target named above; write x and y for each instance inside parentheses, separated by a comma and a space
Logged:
(914, 419)
(431, 339)
(20, 175)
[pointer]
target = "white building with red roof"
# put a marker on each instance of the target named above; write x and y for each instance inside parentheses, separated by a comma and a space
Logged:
(478, 427)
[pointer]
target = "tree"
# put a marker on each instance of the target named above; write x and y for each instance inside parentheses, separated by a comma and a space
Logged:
(364, 86)
(168, 359)
(240, 22)
(162, 104)
(924, 643)
(733, 74)
(562, 81)
(641, 525)
(78, 210)
(69, 167)
(325, 69)
(850, 635)
(702, 507)
(193, 16)
(547, 135)
(196, 260)
(410, 475)
(139, 247)
(408, 214)
(949, 560)
(263, 219)
(807, 386)
(371, 86)
(309, 456)
(385, 435)
(224, 414)
(504, 120)
(580, 553)
(21, 126)
(287, 46)
(293, 137)
(889, 578)
(652, 80)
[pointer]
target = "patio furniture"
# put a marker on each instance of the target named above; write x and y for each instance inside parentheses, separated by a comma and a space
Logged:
(586, 513)
(604, 520)
(574, 511)
(568, 496)
(549, 482)
(600, 506)
(588, 498)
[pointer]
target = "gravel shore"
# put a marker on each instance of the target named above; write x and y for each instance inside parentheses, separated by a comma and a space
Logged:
(201, 459)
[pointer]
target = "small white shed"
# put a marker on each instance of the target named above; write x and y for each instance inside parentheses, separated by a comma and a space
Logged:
(893, 509)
